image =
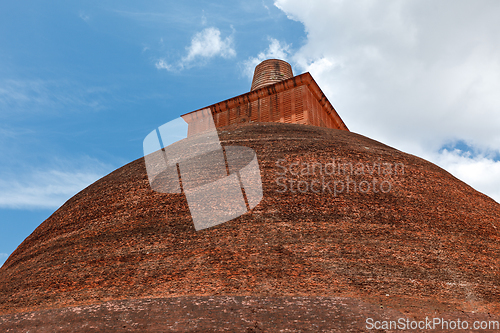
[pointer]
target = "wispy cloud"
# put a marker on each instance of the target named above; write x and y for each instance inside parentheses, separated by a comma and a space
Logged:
(276, 50)
(205, 45)
(48, 187)
(48, 95)
(84, 16)
(203, 18)
(162, 64)
(155, 18)
(265, 6)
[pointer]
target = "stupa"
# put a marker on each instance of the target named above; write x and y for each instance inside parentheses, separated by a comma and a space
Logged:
(400, 240)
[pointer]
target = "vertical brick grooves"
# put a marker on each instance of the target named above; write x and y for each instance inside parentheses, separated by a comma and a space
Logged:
(264, 109)
(281, 107)
(304, 108)
(299, 105)
(276, 108)
(258, 103)
(271, 108)
(249, 109)
(296, 99)
(311, 109)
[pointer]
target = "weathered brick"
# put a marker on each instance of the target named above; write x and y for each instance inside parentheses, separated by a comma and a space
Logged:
(276, 96)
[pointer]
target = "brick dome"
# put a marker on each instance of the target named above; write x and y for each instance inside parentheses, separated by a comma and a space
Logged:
(269, 72)
(118, 254)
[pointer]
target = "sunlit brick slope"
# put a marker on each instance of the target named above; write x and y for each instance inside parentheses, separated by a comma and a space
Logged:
(276, 96)
(413, 239)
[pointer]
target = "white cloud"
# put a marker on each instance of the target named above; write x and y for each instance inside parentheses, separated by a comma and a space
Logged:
(47, 188)
(162, 64)
(406, 70)
(205, 44)
(481, 172)
(276, 50)
(3, 258)
(208, 44)
(413, 74)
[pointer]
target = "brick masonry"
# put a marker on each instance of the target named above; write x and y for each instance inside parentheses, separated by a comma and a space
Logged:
(429, 246)
(270, 71)
(291, 99)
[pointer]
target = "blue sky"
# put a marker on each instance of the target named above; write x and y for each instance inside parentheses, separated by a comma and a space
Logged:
(83, 82)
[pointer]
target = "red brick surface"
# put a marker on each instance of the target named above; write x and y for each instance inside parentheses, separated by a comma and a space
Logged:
(429, 246)
(269, 72)
(297, 100)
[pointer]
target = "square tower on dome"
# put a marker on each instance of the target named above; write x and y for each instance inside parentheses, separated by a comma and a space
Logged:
(275, 96)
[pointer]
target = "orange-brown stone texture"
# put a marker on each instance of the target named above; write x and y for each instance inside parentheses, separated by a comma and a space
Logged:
(119, 253)
(348, 229)
(276, 96)
(269, 72)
